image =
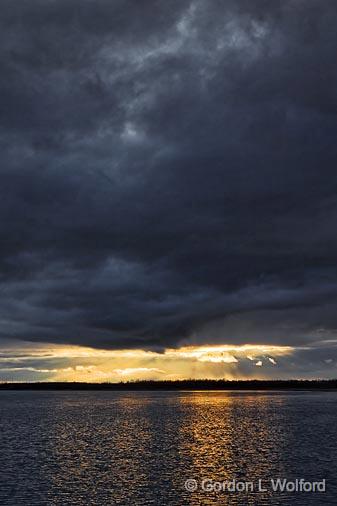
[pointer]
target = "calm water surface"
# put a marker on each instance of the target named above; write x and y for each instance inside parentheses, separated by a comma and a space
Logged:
(138, 448)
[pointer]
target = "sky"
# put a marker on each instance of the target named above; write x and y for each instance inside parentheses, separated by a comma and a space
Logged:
(168, 203)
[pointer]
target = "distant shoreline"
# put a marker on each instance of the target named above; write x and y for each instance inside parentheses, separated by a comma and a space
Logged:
(322, 385)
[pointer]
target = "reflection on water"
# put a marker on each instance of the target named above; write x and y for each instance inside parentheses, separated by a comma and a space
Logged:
(107, 448)
(234, 437)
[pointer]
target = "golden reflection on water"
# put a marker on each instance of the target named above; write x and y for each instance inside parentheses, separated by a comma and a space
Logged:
(138, 448)
(122, 449)
(231, 437)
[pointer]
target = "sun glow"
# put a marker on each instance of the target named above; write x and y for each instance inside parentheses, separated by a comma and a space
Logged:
(75, 363)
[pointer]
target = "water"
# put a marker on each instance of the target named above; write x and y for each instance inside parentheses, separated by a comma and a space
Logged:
(138, 448)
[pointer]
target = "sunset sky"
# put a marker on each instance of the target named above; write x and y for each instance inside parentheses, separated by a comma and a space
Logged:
(168, 189)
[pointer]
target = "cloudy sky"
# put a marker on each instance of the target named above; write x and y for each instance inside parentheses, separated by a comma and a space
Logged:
(167, 184)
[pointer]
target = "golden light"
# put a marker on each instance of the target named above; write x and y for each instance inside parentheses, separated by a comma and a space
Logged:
(76, 363)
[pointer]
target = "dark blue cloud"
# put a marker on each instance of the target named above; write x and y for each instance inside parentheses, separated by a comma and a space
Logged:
(168, 172)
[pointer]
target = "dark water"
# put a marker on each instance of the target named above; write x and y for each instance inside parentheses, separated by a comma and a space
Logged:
(107, 448)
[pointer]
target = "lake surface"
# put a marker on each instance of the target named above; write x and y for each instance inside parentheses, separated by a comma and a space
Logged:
(138, 448)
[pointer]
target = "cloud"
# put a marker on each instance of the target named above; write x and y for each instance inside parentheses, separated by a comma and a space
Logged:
(168, 173)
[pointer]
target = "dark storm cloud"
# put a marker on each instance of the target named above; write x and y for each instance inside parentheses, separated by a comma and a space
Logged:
(168, 171)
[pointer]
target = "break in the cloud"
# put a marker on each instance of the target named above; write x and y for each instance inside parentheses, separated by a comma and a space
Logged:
(77, 363)
(168, 173)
